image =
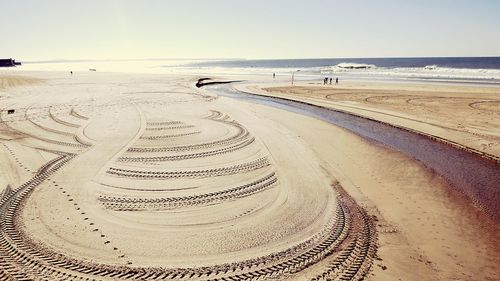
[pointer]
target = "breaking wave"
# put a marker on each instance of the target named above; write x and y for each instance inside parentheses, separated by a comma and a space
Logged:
(426, 72)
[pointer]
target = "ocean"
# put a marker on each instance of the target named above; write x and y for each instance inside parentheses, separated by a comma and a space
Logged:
(451, 62)
(445, 69)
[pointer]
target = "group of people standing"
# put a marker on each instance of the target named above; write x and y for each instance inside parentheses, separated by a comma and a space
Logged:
(325, 81)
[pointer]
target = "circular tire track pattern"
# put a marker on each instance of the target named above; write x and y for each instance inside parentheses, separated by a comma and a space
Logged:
(487, 105)
(169, 128)
(61, 121)
(169, 136)
(78, 115)
(348, 240)
(244, 167)
(241, 135)
(136, 204)
(220, 151)
(45, 113)
(238, 140)
(239, 172)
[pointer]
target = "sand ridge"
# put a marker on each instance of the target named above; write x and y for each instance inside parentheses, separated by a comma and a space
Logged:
(10, 81)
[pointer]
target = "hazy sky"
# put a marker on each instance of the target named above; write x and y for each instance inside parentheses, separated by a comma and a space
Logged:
(114, 29)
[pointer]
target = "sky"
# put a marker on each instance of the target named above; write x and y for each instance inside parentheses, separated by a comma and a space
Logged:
(34, 30)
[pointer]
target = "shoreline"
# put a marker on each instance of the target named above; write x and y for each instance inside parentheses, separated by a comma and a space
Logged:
(476, 196)
(387, 115)
(381, 191)
(457, 145)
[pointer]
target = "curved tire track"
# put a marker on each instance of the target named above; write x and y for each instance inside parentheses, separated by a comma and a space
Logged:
(158, 203)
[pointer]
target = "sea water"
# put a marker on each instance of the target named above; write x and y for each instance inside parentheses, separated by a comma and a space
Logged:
(448, 69)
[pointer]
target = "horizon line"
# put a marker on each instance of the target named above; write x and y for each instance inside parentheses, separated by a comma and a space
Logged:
(249, 59)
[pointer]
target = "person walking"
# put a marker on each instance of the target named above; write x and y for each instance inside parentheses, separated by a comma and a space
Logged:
(274, 75)
(331, 80)
(336, 81)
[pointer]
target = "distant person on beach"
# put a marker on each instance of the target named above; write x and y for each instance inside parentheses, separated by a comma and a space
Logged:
(325, 80)
(331, 80)
(274, 75)
(71, 72)
(336, 81)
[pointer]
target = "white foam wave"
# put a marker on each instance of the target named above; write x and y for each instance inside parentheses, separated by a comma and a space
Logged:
(346, 65)
(427, 72)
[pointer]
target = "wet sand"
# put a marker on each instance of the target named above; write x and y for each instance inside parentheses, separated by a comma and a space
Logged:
(117, 176)
(465, 212)
(470, 172)
(464, 114)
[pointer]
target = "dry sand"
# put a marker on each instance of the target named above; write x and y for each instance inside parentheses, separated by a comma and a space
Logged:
(7, 81)
(118, 176)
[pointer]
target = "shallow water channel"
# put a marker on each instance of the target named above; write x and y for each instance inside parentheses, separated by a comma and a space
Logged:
(476, 177)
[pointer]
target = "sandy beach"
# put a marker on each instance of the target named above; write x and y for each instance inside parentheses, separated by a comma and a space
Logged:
(464, 114)
(250, 140)
(113, 176)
